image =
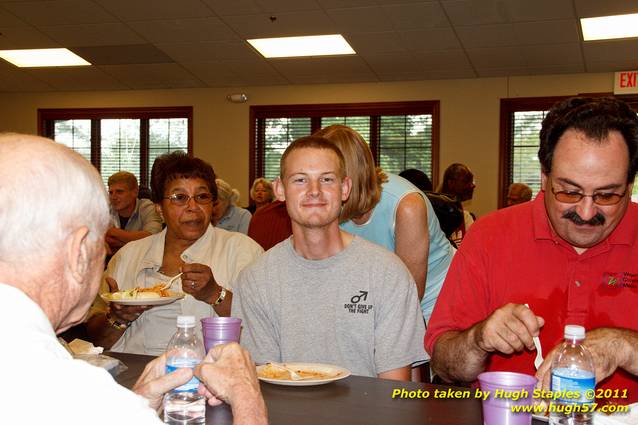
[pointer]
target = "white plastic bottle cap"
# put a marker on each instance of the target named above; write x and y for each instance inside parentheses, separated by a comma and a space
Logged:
(186, 321)
(574, 332)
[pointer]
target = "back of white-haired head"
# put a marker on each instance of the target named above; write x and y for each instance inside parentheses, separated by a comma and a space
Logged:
(46, 191)
(227, 192)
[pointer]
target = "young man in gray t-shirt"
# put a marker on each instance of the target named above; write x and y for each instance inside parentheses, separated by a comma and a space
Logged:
(324, 295)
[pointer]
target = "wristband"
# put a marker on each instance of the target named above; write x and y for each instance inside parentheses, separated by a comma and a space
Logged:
(222, 296)
(115, 324)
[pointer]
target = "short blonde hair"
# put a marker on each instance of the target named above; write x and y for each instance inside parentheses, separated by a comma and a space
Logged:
(125, 177)
(265, 183)
(366, 177)
(226, 192)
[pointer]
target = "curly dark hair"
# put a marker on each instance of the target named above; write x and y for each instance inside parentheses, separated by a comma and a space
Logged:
(178, 165)
(595, 117)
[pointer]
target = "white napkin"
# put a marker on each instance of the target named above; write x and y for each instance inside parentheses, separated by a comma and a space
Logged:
(79, 346)
(629, 418)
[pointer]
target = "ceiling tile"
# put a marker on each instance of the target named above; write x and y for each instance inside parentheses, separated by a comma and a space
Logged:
(8, 20)
(361, 19)
(557, 69)
(60, 12)
(288, 24)
(110, 34)
(351, 65)
(139, 10)
(496, 57)
(13, 79)
(25, 38)
(161, 75)
(475, 12)
(478, 36)
(401, 76)
(336, 4)
(443, 60)
(120, 55)
(209, 51)
(277, 6)
(184, 30)
(378, 42)
(502, 71)
(548, 32)
(431, 39)
(393, 62)
(627, 64)
(549, 55)
(234, 7)
(77, 78)
(590, 8)
(609, 51)
(333, 79)
(417, 16)
(449, 74)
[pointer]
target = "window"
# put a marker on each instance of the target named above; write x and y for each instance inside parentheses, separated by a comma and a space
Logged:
(521, 121)
(400, 134)
(120, 139)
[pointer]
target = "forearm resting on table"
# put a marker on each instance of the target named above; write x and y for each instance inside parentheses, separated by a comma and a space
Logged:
(630, 351)
(399, 374)
(457, 357)
(101, 332)
(249, 409)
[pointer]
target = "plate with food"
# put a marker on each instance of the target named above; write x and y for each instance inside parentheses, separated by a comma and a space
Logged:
(155, 295)
(300, 374)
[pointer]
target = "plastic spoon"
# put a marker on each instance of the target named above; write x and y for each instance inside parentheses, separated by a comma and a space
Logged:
(170, 282)
(538, 361)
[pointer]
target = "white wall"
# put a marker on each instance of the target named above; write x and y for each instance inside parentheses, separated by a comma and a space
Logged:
(469, 116)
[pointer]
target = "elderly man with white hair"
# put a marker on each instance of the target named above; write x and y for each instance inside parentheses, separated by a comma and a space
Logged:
(53, 217)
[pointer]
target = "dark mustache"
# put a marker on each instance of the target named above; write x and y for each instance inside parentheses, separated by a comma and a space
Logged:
(597, 220)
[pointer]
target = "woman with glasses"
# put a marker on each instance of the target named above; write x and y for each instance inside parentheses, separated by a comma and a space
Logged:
(183, 190)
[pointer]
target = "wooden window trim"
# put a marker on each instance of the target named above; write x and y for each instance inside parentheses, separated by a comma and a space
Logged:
(316, 111)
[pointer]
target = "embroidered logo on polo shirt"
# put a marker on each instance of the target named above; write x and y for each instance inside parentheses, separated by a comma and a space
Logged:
(355, 306)
(620, 279)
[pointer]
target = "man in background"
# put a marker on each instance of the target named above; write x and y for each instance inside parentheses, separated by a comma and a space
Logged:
(50, 270)
(131, 218)
(458, 182)
(518, 193)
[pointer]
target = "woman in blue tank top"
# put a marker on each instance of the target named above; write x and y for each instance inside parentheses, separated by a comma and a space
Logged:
(390, 211)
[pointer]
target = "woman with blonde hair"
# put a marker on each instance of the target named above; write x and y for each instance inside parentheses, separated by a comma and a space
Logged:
(390, 211)
(261, 193)
(226, 214)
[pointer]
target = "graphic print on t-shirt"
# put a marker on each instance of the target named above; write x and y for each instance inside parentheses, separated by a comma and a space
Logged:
(356, 305)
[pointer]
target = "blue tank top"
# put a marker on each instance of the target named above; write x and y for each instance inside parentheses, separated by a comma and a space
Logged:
(380, 230)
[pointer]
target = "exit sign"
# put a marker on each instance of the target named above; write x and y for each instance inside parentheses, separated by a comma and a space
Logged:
(626, 82)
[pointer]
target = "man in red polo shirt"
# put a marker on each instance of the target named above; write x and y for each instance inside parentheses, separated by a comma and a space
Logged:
(570, 255)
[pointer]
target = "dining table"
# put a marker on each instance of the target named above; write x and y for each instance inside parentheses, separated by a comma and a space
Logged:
(355, 400)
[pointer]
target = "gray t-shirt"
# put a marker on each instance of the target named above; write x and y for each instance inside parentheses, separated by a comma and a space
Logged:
(357, 309)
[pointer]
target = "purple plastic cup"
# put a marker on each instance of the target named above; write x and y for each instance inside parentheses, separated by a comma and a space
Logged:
(506, 389)
(220, 330)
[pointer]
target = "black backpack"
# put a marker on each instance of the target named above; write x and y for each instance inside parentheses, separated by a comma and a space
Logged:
(449, 211)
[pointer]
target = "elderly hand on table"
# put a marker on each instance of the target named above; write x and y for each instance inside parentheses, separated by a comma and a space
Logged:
(153, 383)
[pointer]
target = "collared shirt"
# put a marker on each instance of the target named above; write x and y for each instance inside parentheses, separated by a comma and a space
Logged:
(144, 217)
(513, 256)
(73, 392)
(137, 265)
(236, 219)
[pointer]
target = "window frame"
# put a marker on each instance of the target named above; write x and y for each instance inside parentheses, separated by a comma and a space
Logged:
(47, 116)
(317, 111)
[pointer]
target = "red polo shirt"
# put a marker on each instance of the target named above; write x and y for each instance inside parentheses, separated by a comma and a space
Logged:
(513, 256)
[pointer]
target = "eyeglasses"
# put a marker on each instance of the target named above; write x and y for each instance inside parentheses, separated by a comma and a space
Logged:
(602, 198)
(181, 199)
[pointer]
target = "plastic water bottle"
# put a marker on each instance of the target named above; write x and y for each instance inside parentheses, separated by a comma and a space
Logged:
(573, 370)
(183, 405)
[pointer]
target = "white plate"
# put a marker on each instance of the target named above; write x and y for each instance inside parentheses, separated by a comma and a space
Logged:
(144, 301)
(336, 372)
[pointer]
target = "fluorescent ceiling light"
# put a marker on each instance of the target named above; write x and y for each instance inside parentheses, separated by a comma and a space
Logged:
(32, 58)
(610, 27)
(316, 45)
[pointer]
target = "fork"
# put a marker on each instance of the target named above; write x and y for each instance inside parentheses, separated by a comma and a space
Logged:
(170, 282)
(293, 375)
(538, 361)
